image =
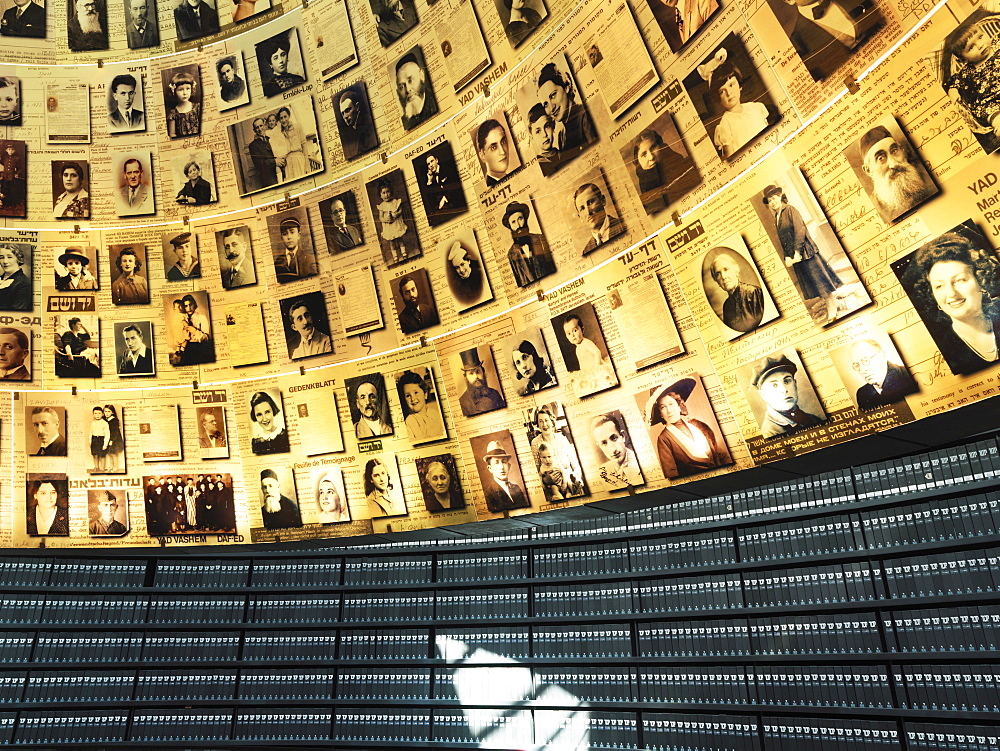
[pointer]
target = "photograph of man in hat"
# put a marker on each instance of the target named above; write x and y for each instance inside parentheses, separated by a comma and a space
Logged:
(184, 249)
(529, 254)
(73, 272)
(369, 406)
(478, 396)
(273, 58)
(776, 387)
(890, 170)
(294, 258)
(497, 474)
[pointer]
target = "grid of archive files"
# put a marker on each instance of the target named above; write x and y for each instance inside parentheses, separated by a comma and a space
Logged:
(858, 609)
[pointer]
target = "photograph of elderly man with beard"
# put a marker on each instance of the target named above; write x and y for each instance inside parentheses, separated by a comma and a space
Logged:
(471, 367)
(87, 25)
(413, 89)
(890, 170)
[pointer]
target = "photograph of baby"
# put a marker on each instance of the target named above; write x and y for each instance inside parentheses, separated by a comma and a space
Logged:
(735, 290)
(439, 483)
(559, 126)
(659, 164)
(731, 98)
(421, 405)
(584, 351)
(393, 217)
(781, 395)
(616, 466)
(529, 362)
(872, 371)
(465, 270)
(556, 460)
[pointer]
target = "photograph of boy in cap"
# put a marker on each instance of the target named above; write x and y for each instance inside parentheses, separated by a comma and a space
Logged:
(479, 397)
(183, 247)
(274, 57)
(777, 390)
(890, 170)
(499, 471)
(529, 254)
(294, 256)
(73, 271)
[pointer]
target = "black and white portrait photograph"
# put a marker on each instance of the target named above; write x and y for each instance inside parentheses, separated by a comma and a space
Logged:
(181, 258)
(465, 270)
(232, 75)
(194, 178)
(194, 19)
(890, 170)
(590, 211)
(393, 217)
(368, 401)
(382, 487)
(306, 326)
(476, 381)
(126, 107)
(213, 438)
(276, 147)
(557, 462)
(107, 513)
(75, 268)
(615, 464)
(46, 509)
(421, 405)
(134, 349)
(10, 100)
(129, 274)
(584, 351)
(731, 98)
(559, 126)
(495, 148)
(142, 24)
(680, 20)
(267, 423)
(45, 430)
(499, 471)
(682, 427)
(413, 299)
(528, 362)
(440, 184)
(781, 394)
(954, 284)
(235, 251)
(77, 344)
(134, 193)
(87, 25)
(393, 18)
(872, 370)
(735, 290)
(71, 189)
(520, 18)
(104, 438)
(827, 34)
(188, 325)
(341, 222)
(355, 123)
(280, 62)
(13, 179)
(331, 496)
(15, 354)
(292, 248)
(189, 504)
(414, 89)
(244, 9)
(182, 100)
(16, 277)
(439, 483)
(529, 254)
(659, 164)
(23, 18)
(809, 249)
(279, 505)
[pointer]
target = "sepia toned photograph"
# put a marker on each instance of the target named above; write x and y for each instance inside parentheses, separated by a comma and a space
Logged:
(235, 252)
(414, 302)
(182, 99)
(341, 222)
(105, 439)
(188, 324)
(331, 496)
(194, 19)
(213, 439)
(557, 462)
(890, 170)
(24, 19)
(591, 212)
(45, 431)
(232, 81)
(13, 179)
(292, 248)
(77, 344)
(75, 268)
(280, 62)
(10, 100)
(268, 427)
(279, 506)
(681, 20)
(382, 487)
(953, 283)
(495, 148)
(781, 394)
(70, 189)
(465, 270)
(134, 348)
(735, 290)
(617, 467)
(107, 512)
(306, 326)
(87, 25)
(194, 178)
(276, 147)
(15, 354)
(126, 108)
(659, 164)
(421, 405)
(529, 254)
(393, 18)
(440, 184)
(355, 123)
(475, 378)
(134, 192)
(872, 370)
(368, 401)
(439, 483)
(181, 259)
(189, 504)
(142, 24)
(393, 217)
(529, 362)
(520, 18)
(414, 90)
(499, 471)
(46, 511)
(129, 281)
(731, 98)
(584, 351)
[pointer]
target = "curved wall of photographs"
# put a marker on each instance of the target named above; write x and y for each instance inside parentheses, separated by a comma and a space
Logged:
(292, 272)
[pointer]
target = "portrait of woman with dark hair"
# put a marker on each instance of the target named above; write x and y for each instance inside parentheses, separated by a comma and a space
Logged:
(74, 200)
(685, 445)
(421, 409)
(954, 283)
(520, 18)
(378, 491)
(270, 435)
(47, 510)
(531, 372)
(663, 171)
(439, 483)
(15, 285)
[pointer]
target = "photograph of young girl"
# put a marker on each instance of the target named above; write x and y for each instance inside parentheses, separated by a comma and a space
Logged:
(659, 164)
(969, 71)
(106, 440)
(182, 100)
(393, 217)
